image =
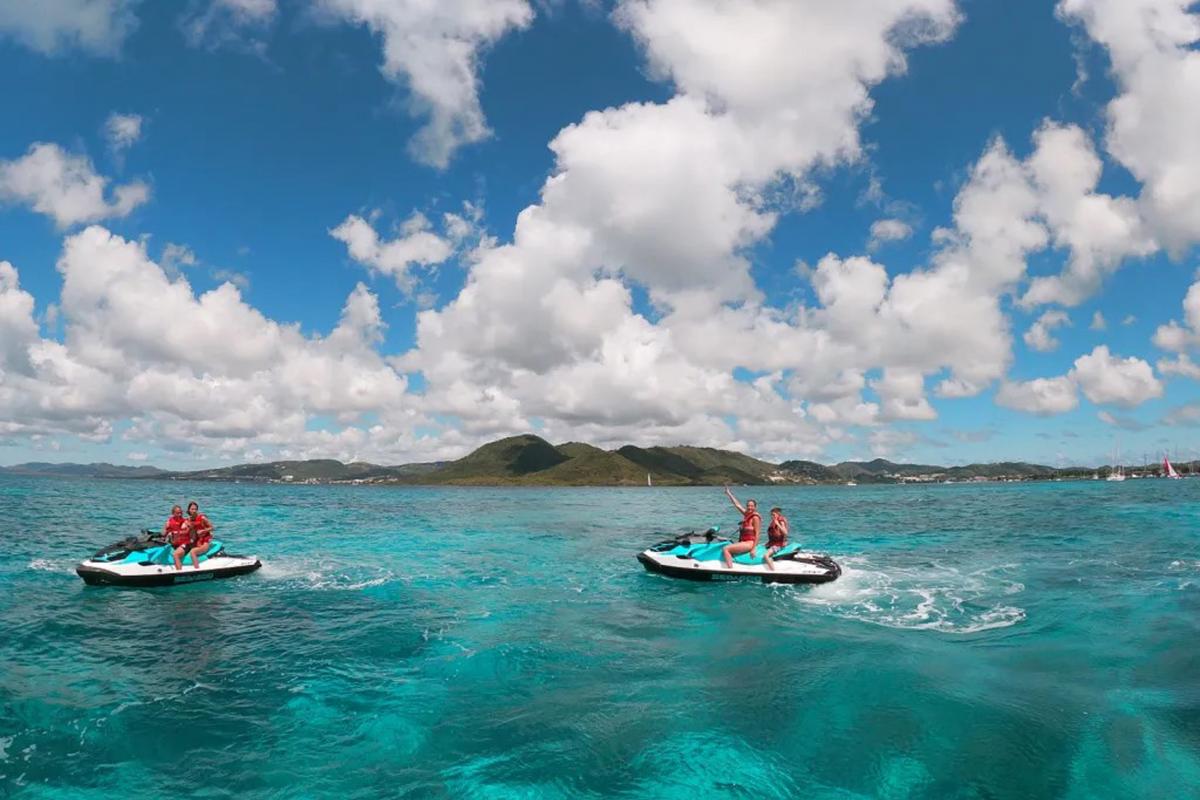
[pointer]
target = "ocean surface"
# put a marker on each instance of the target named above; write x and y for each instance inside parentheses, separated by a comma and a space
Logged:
(986, 642)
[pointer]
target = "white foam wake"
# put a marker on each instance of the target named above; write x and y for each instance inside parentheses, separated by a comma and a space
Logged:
(324, 576)
(46, 565)
(1185, 570)
(934, 597)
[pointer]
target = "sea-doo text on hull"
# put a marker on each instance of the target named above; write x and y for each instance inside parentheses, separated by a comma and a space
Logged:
(145, 560)
(697, 557)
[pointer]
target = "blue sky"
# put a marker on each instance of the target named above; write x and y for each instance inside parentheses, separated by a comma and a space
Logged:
(677, 301)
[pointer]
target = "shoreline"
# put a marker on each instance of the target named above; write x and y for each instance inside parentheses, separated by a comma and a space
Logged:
(529, 460)
(183, 478)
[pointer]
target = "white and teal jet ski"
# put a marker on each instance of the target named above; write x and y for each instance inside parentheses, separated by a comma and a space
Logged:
(145, 560)
(697, 557)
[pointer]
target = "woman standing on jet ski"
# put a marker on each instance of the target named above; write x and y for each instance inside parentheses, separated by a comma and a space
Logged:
(748, 531)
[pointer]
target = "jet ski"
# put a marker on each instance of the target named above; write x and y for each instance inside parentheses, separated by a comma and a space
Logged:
(697, 557)
(145, 560)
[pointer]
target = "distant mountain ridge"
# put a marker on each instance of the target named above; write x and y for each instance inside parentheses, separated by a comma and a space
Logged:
(531, 460)
(94, 470)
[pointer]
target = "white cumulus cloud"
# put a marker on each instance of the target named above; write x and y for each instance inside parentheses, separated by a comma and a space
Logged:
(1105, 378)
(416, 245)
(66, 187)
(1040, 335)
(1181, 365)
(888, 230)
(433, 49)
(230, 378)
(122, 131)
(903, 395)
(17, 327)
(1041, 396)
(1100, 231)
(1154, 122)
(1176, 336)
(54, 26)
(668, 196)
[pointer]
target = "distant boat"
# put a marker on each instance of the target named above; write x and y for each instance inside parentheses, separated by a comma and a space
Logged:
(1118, 473)
(1169, 470)
(648, 483)
(851, 483)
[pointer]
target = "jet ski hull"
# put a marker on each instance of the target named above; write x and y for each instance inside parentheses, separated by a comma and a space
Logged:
(146, 561)
(698, 558)
(99, 574)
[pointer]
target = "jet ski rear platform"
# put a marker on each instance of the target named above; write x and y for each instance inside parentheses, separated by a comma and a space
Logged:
(146, 560)
(697, 557)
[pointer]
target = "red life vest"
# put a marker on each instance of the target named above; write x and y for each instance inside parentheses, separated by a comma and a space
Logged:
(746, 532)
(201, 529)
(777, 534)
(177, 529)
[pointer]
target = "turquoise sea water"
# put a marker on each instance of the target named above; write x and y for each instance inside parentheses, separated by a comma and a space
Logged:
(997, 641)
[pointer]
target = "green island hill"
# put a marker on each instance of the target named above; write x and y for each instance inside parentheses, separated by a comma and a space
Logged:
(530, 460)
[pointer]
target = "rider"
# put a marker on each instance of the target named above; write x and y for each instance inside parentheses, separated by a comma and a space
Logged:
(777, 535)
(178, 532)
(748, 530)
(201, 530)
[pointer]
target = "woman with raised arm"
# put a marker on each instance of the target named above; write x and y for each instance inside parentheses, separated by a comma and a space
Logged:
(748, 530)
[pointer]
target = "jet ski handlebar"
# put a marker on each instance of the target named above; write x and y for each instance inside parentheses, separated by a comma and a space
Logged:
(154, 536)
(691, 537)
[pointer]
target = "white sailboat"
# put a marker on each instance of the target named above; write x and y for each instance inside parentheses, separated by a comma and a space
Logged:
(1118, 473)
(648, 483)
(1169, 470)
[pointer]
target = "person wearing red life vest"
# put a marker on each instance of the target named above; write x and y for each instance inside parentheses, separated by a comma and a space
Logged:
(777, 535)
(178, 533)
(748, 530)
(174, 523)
(201, 530)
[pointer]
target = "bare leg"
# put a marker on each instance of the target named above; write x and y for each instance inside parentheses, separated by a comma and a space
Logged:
(736, 549)
(197, 552)
(770, 551)
(178, 554)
